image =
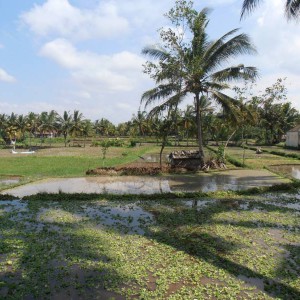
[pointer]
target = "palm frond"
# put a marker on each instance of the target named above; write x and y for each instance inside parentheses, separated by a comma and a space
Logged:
(200, 38)
(292, 8)
(235, 73)
(238, 45)
(224, 100)
(170, 102)
(157, 93)
(156, 52)
(248, 6)
(215, 45)
(218, 86)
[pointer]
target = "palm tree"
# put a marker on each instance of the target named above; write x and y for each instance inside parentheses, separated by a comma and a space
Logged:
(140, 121)
(77, 121)
(65, 125)
(104, 127)
(48, 122)
(292, 7)
(87, 129)
(31, 124)
(22, 125)
(3, 126)
(199, 63)
(12, 130)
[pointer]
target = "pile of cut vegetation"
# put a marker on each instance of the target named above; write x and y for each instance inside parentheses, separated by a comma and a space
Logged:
(132, 169)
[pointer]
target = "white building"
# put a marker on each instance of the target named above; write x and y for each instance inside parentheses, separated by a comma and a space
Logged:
(293, 137)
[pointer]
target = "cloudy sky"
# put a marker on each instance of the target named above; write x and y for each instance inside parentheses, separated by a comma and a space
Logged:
(86, 54)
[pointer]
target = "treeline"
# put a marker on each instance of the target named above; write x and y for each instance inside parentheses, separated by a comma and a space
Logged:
(264, 118)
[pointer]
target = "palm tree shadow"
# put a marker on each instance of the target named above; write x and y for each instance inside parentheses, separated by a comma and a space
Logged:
(212, 248)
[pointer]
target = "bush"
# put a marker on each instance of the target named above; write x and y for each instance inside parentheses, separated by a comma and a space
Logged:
(109, 143)
(133, 143)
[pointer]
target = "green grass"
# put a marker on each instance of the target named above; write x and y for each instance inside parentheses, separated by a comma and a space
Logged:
(94, 248)
(255, 161)
(64, 166)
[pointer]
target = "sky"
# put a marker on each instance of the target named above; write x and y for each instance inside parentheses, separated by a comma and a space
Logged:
(86, 54)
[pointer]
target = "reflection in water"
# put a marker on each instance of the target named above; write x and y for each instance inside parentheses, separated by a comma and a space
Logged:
(296, 172)
(7, 181)
(292, 170)
(105, 184)
(126, 217)
(198, 204)
(13, 205)
(227, 180)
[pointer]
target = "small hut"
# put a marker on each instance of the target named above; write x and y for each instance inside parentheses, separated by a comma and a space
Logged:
(185, 159)
(293, 137)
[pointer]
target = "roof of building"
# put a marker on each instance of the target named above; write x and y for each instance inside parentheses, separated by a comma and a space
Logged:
(295, 129)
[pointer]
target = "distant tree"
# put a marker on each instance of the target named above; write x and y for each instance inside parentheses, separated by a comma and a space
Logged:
(65, 125)
(77, 122)
(87, 129)
(31, 124)
(12, 130)
(104, 127)
(123, 129)
(140, 121)
(276, 115)
(48, 122)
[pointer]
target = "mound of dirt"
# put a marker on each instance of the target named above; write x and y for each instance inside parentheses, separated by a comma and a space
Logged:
(133, 169)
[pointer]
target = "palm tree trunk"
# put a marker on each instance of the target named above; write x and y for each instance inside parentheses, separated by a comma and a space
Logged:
(199, 130)
(65, 137)
(163, 144)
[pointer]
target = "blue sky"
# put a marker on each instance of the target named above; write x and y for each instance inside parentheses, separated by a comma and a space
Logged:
(86, 54)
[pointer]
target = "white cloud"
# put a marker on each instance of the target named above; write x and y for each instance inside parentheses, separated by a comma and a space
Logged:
(4, 76)
(115, 72)
(60, 18)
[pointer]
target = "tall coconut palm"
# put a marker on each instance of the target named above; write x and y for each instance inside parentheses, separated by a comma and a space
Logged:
(12, 130)
(48, 122)
(65, 125)
(77, 121)
(140, 121)
(31, 124)
(200, 62)
(3, 125)
(292, 8)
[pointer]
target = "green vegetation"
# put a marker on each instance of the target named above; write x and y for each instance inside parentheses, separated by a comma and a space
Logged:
(235, 156)
(292, 8)
(90, 247)
(191, 64)
(70, 163)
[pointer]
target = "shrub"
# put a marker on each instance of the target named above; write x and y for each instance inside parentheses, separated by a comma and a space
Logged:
(132, 143)
(109, 143)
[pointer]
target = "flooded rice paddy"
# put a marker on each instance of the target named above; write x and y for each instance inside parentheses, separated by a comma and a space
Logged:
(206, 182)
(163, 249)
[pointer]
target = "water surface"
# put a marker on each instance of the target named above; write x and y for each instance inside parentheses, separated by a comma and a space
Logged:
(291, 170)
(206, 182)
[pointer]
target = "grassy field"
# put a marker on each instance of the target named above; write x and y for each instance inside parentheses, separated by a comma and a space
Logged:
(225, 245)
(241, 248)
(257, 161)
(65, 162)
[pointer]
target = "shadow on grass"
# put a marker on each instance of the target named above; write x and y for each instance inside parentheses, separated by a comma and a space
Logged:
(48, 260)
(213, 249)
